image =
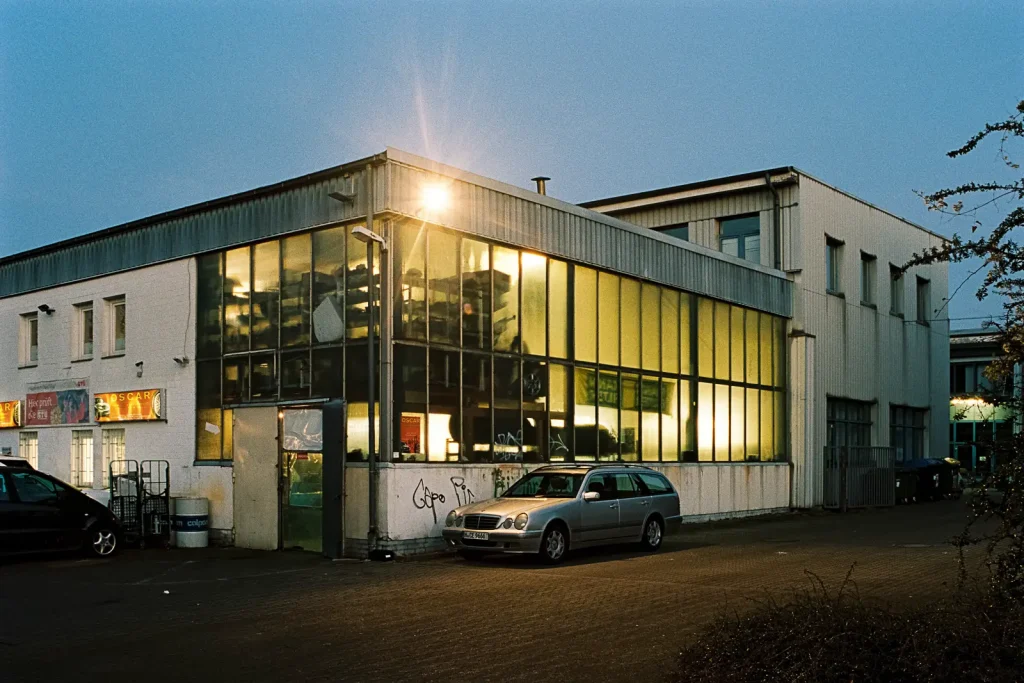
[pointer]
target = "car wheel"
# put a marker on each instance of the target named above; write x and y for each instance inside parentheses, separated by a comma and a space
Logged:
(654, 532)
(103, 542)
(471, 555)
(555, 544)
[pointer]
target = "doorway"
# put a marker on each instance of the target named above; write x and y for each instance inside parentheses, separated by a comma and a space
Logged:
(302, 478)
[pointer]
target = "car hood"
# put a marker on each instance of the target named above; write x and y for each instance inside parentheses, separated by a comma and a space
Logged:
(510, 506)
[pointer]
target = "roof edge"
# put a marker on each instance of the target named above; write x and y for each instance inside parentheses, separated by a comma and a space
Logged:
(700, 184)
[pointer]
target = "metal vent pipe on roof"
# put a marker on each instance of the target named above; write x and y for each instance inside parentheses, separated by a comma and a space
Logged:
(541, 184)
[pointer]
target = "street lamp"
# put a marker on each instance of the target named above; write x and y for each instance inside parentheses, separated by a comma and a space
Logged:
(369, 237)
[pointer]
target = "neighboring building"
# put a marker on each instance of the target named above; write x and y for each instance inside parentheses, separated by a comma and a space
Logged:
(974, 422)
(517, 329)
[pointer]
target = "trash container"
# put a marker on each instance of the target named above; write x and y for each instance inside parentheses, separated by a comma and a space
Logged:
(927, 472)
(191, 522)
(906, 485)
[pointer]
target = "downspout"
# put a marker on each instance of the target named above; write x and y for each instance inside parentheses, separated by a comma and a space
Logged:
(776, 226)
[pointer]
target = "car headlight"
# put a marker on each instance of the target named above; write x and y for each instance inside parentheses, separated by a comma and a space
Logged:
(521, 520)
(450, 519)
(507, 524)
(458, 521)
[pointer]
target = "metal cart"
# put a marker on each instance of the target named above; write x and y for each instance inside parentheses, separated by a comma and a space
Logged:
(140, 496)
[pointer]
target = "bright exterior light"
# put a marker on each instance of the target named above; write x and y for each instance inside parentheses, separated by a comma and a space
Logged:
(436, 198)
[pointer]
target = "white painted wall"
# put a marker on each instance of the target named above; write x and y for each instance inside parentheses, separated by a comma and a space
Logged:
(160, 325)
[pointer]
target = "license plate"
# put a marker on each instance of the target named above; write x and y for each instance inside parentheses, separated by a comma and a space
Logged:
(475, 535)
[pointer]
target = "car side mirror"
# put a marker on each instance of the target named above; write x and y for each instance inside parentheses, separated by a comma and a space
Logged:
(591, 496)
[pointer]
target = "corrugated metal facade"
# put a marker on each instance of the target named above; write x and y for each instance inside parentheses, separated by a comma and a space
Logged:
(478, 205)
(509, 214)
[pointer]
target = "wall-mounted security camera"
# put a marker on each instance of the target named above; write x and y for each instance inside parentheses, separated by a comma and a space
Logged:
(46, 309)
(183, 361)
(139, 366)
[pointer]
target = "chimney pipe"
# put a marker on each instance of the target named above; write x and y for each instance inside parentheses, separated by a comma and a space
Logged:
(541, 184)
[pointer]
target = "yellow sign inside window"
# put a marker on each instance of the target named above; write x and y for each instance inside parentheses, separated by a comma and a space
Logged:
(129, 406)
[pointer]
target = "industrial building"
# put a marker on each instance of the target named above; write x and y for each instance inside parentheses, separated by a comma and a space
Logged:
(723, 332)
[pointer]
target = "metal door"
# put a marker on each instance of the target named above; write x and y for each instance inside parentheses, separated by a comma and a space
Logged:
(599, 519)
(256, 478)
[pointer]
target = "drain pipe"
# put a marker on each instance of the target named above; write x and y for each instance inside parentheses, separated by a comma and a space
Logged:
(776, 226)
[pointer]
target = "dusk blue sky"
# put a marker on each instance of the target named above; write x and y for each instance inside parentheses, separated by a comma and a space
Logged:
(115, 111)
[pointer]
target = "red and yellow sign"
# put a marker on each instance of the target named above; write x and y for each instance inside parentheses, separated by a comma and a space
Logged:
(129, 406)
(10, 414)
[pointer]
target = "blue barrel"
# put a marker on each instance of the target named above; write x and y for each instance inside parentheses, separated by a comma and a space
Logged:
(190, 522)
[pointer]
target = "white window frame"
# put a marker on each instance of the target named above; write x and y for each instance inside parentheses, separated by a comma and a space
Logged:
(113, 449)
(111, 304)
(28, 447)
(83, 463)
(833, 265)
(84, 350)
(25, 355)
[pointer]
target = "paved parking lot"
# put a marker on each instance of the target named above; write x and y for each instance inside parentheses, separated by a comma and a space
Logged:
(606, 615)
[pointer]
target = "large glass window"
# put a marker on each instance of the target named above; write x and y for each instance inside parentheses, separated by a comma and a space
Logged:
(608, 415)
(608, 318)
(706, 337)
(476, 295)
(753, 436)
(585, 308)
(411, 260)
(669, 330)
(357, 392)
(508, 428)
(669, 418)
(329, 285)
(706, 422)
(585, 414)
(476, 412)
(506, 300)
(560, 441)
(358, 281)
(721, 423)
(296, 289)
(686, 365)
(737, 334)
(741, 237)
(558, 309)
(722, 340)
(650, 330)
(534, 304)
(629, 431)
(444, 422)
(907, 431)
(329, 372)
(410, 401)
(535, 421)
(737, 423)
(443, 287)
(265, 294)
(651, 415)
(767, 428)
(848, 423)
(236, 300)
(630, 323)
(295, 374)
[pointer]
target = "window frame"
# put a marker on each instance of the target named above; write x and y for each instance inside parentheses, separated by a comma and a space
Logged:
(29, 440)
(923, 285)
(833, 265)
(28, 326)
(680, 231)
(741, 237)
(78, 332)
(111, 304)
(78, 465)
(868, 279)
(897, 293)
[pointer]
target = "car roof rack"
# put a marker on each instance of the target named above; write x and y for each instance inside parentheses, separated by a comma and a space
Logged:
(591, 466)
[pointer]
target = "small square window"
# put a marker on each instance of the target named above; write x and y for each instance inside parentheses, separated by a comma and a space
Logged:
(867, 278)
(83, 331)
(28, 339)
(116, 325)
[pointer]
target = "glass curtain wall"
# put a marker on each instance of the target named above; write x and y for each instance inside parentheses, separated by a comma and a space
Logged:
(533, 359)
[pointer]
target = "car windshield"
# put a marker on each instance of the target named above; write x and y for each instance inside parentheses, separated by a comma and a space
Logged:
(545, 485)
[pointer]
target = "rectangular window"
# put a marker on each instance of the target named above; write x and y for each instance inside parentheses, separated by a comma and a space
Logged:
(410, 401)
(82, 466)
(506, 300)
(848, 423)
(535, 405)
(476, 412)
(444, 419)
(535, 269)
(558, 309)
(585, 308)
(907, 432)
(669, 417)
(608, 318)
(721, 340)
(737, 334)
(705, 422)
(560, 435)
(737, 442)
(237, 284)
(687, 423)
(411, 260)
(767, 426)
(650, 330)
(83, 334)
(721, 423)
(508, 401)
(358, 281)
(753, 437)
(328, 285)
(924, 309)
(443, 287)
(209, 300)
(706, 337)
(266, 294)
(113, 450)
(608, 415)
(753, 329)
(833, 265)
(650, 418)
(357, 390)
(28, 447)
(629, 407)
(630, 323)
(741, 236)
(585, 414)
(867, 278)
(895, 290)
(680, 231)
(476, 295)
(116, 326)
(669, 330)
(28, 339)
(296, 282)
(685, 352)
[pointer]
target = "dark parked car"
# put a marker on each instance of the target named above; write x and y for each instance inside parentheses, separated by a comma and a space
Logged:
(40, 513)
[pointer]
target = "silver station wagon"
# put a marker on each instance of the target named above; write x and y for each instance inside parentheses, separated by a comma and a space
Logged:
(561, 507)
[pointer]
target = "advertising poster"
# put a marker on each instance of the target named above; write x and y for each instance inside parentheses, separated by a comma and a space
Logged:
(10, 414)
(409, 433)
(58, 402)
(129, 406)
